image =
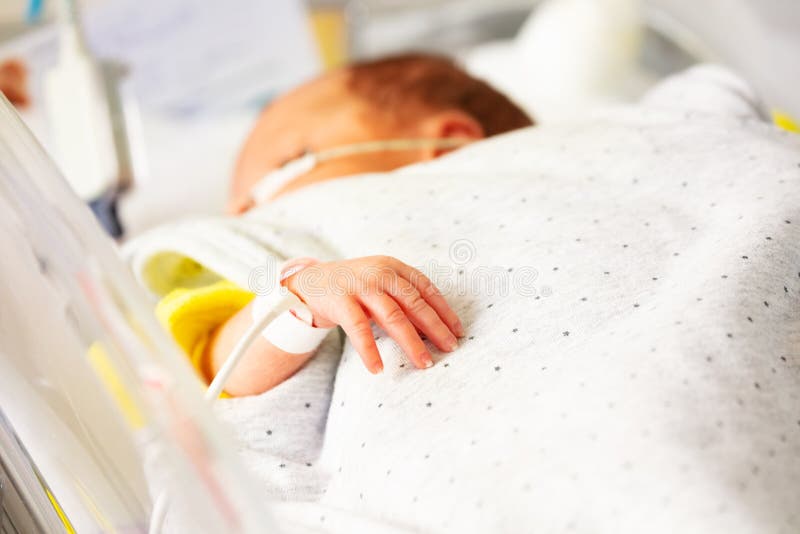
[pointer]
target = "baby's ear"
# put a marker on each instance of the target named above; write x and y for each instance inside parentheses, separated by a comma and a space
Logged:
(450, 124)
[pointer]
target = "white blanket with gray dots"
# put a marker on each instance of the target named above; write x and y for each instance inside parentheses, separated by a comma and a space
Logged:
(630, 287)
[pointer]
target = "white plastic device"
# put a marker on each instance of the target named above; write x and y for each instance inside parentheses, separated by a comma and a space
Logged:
(78, 110)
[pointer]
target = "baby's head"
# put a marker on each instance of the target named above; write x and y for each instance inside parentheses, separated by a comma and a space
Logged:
(405, 97)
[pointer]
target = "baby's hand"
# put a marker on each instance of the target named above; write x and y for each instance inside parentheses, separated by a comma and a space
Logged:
(396, 296)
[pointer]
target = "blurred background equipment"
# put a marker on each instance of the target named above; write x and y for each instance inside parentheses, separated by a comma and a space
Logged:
(758, 38)
(158, 85)
(84, 111)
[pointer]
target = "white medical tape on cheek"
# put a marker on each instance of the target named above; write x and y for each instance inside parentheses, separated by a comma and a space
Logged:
(273, 181)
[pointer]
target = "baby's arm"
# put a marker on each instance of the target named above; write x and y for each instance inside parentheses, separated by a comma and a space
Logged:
(262, 367)
(347, 293)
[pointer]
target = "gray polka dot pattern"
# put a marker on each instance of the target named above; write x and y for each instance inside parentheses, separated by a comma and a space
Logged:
(641, 375)
(651, 383)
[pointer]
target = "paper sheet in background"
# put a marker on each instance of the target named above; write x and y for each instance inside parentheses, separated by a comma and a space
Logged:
(190, 55)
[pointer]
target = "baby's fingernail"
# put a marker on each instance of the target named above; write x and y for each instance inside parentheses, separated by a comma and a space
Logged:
(452, 344)
(427, 361)
(459, 329)
(377, 368)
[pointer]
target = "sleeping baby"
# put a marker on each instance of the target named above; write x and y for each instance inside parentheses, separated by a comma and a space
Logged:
(368, 117)
(627, 284)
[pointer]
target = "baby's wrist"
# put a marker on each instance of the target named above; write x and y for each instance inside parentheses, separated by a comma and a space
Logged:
(294, 331)
(287, 279)
(287, 272)
(291, 267)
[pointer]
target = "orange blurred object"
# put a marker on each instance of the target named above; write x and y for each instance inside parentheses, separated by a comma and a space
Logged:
(14, 82)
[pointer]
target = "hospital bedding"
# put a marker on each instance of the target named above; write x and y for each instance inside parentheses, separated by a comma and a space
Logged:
(632, 364)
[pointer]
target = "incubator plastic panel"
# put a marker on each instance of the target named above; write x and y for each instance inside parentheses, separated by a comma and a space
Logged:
(98, 412)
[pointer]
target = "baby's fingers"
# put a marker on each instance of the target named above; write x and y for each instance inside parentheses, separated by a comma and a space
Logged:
(422, 315)
(357, 327)
(431, 295)
(394, 322)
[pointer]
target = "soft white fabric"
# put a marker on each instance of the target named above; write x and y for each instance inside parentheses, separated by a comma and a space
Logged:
(639, 372)
(706, 89)
(194, 253)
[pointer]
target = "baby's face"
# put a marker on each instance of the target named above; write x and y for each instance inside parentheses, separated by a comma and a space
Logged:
(318, 115)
